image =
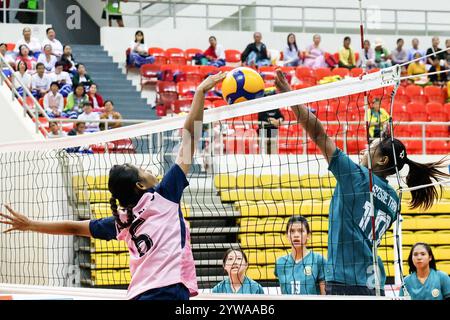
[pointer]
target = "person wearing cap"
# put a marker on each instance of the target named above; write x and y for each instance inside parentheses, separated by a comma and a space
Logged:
(377, 118)
(382, 57)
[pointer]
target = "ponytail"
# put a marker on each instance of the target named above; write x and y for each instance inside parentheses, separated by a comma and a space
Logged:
(423, 174)
(114, 208)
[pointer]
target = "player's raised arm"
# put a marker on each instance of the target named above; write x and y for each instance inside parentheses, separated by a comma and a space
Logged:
(19, 222)
(192, 130)
(309, 121)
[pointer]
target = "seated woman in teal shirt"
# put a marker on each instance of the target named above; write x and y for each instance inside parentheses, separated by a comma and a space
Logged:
(425, 282)
(301, 271)
(235, 264)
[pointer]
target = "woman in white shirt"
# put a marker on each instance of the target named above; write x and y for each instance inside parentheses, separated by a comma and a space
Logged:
(23, 76)
(291, 54)
(139, 51)
(48, 59)
(214, 55)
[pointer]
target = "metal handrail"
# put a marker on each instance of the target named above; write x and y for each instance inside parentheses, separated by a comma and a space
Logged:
(302, 20)
(43, 10)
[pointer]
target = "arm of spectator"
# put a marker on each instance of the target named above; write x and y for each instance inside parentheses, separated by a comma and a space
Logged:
(342, 58)
(245, 54)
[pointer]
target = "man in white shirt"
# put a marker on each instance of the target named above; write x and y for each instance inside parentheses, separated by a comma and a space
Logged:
(53, 101)
(63, 79)
(89, 115)
(57, 48)
(32, 43)
(40, 81)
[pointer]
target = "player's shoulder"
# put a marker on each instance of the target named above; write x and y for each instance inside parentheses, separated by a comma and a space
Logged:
(408, 278)
(283, 260)
(442, 275)
(317, 257)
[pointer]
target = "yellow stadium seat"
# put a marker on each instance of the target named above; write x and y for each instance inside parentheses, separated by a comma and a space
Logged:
(406, 195)
(185, 209)
(290, 181)
(266, 272)
(94, 196)
(443, 266)
(98, 246)
(250, 240)
(260, 257)
(387, 253)
(328, 181)
(285, 208)
(110, 260)
(268, 224)
(442, 253)
(270, 181)
(426, 223)
(310, 181)
(442, 237)
(318, 239)
(248, 181)
(443, 206)
(83, 182)
(224, 181)
(275, 194)
(101, 182)
(110, 277)
(446, 193)
(314, 207)
(389, 268)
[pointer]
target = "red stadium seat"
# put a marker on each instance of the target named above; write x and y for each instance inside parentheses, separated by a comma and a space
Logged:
(436, 112)
(302, 85)
(159, 54)
(402, 98)
(437, 147)
(321, 73)
(343, 72)
(417, 111)
(401, 131)
(267, 72)
(356, 72)
(434, 94)
(373, 70)
(219, 103)
(413, 90)
(232, 56)
(10, 46)
(301, 72)
(166, 86)
(191, 52)
(181, 106)
(226, 68)
(177, 60)
(419, 99)
(186, 89)
(149, 73)
(413, 146)
(208, 70)
(288, 114)
(191, 73)
(167, 94)
(437, 131)
(175, 52)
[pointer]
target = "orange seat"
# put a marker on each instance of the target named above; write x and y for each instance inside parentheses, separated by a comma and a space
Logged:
(156, 51)
(149, 73)
(225, 68)
(417, 111)
(166, 86)
(413, 90)
(208, 70)
(219, 103)
(232, 56)
(191, 52)
(343, 72)
(186, 88)
(177, 60)
(413, 146)
(434, 94)
(320, 73)
(402, 131)
(437, 131)
(356, 72)
(181, 106)
(174, 52)
(10, 46)
(437, 147)
(436, 112)
(192, 73)
(302, 72)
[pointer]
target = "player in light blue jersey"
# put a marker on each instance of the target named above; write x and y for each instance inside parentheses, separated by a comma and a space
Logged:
(425, 282)
(235, 264)
(302, 271)
(350, 268)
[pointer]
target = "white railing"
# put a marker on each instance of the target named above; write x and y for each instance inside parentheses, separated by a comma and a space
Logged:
(8, 10)
(302, 18)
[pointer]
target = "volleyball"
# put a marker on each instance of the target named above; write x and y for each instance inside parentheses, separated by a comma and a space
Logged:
(242, 84)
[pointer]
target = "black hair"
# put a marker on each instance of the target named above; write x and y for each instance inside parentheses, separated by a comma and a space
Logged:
(77, 86)
(39, 64)
(77, 124)
(93, 84)
(400, 39)
(54, 83)
(59, 64)
(87, 103)
(139, 32)
(412, 267)
(294, 44)
(419, 173)
(122, 185)
(106, 101)
(18, 63)
(212, 37)
(347, 38)
(3, 44)
(49, 29)
(296, 219)
(80, 64)
(366, 41)
(20, 49)
(225, 256)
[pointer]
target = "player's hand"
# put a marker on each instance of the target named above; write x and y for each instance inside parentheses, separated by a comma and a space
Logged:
(211, 82)
(16, 220)
(281, 83)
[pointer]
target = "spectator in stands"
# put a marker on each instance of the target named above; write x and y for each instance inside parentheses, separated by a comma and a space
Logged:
(441, 78)
(314, 55)
(414, 50)
(425, 282)
(24, 55)
(4, 4)
(367, 56)
(40, 82)
(75, 102)
(82, 77)
(48, 59)
(432, 52)
(22, 76)
(399, 54)
(95, 98)
(33, 44)
(256, 53)
(269, 121)
(377, 118)
(417, 68)
(301, 271)
(347, 55)
(79, 128)
(139, 52)
(55, 131)
(8, 59)
(291, 54)
(63, 79)
(235, 264)
(54, 101)
(110, 114)
(57, 48)
(114, 12)
(68, 61)
(382, 57)
(89, 117)
(213, 56)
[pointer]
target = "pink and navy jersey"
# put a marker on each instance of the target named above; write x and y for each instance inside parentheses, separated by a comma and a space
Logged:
(158, 239)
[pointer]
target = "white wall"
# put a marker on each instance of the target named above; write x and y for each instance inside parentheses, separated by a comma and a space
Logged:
(11, 32)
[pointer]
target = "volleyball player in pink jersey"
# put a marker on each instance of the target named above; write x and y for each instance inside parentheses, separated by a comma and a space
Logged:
(149, 219)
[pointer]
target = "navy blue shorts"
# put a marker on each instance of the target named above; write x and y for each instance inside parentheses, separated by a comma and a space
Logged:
(341, 289)
(176, 291)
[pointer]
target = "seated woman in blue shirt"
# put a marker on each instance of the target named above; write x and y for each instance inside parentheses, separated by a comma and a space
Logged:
(425, 282)
(235, 264)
